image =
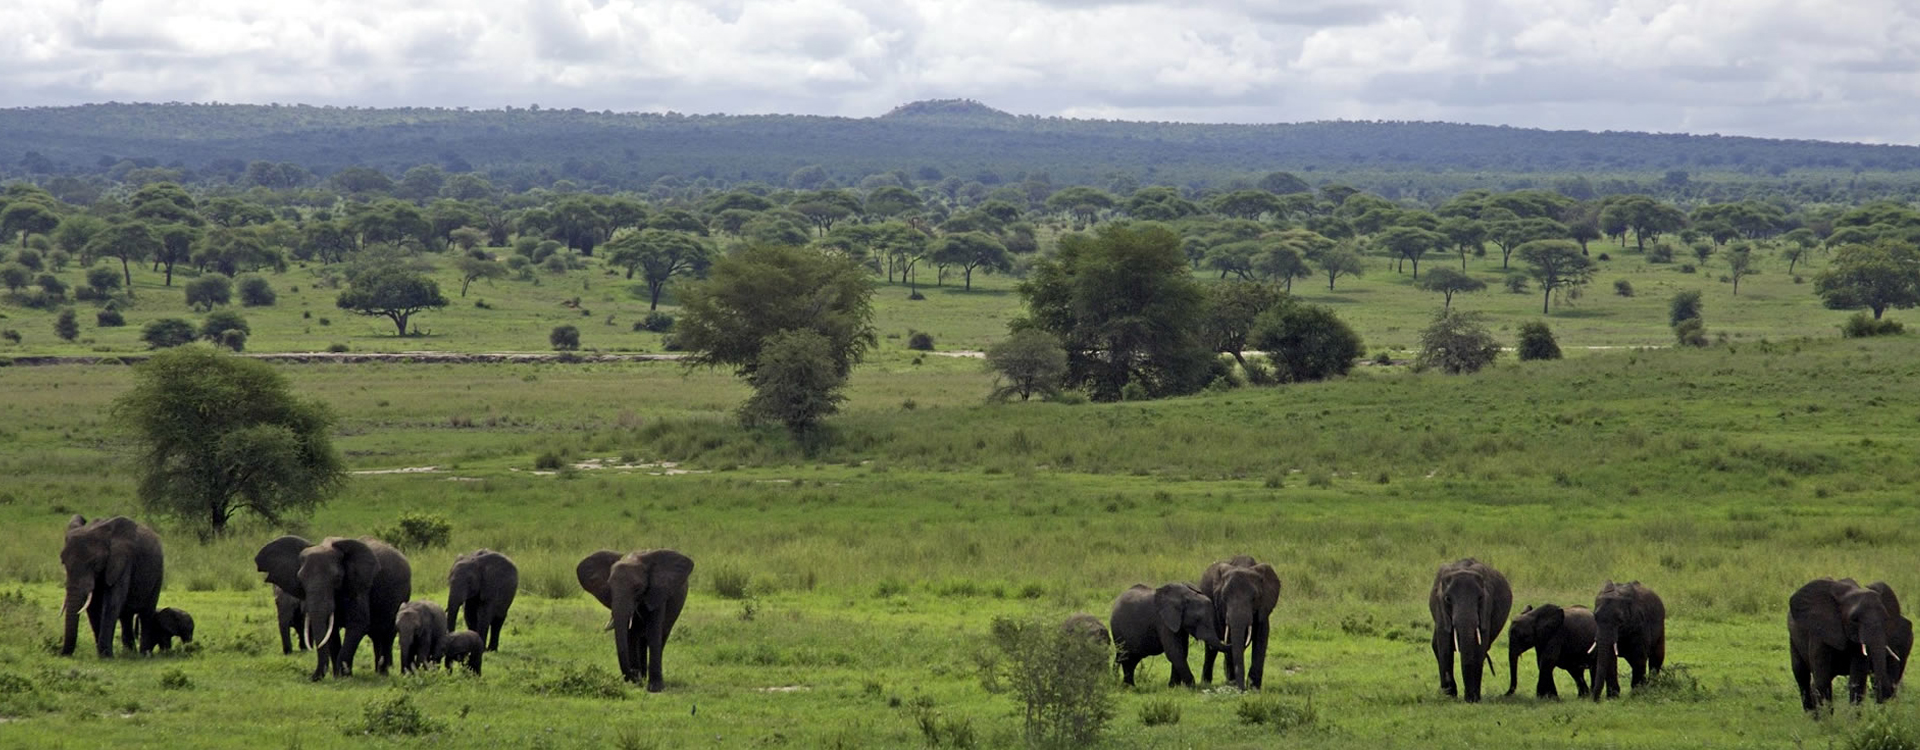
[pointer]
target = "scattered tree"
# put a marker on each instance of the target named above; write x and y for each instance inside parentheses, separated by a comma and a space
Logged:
(473, 268)
(1685, 305)
(1458, 342)
(970, 250)
(1306, 342)
(1556, 264)
(795, 382)
(129, 241)
(167, 333)
(67, 325)
(1233, 308)
(1536, 342)
(256, 291)
(390, 290)
(660, 255)
(1739, 266)
(1876, 277)
(1340, 261)
(1027, 362)
(103, 279)
(209, 291)
(219, 322)
(1449, 282)
(564, 338)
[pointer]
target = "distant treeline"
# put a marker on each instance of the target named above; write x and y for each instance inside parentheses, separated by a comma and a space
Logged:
(953, 143)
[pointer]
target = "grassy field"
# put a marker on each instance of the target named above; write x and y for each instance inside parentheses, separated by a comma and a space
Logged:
(1723, 478)
(1383, 305)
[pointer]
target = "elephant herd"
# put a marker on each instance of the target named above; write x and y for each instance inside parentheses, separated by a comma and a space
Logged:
(1836, 627)
(331, 595)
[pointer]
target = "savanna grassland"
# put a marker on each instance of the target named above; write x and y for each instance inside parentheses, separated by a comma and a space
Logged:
(844, 592)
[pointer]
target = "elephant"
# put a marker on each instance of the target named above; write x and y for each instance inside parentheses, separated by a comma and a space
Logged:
(348, 589)
(1630, 622)
(1560, 638)
(1471, 599)
(645, 591)
(288, 611)
(164, 626)
(115, 568)
(1840, 627)
(1244, 593)
(1089, 627)
(483, 581)
(1899, 633)
(464, 647)
(1147, 622)
(422, 629)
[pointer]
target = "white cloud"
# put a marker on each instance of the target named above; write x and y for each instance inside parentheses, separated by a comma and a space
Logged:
(1788, 68)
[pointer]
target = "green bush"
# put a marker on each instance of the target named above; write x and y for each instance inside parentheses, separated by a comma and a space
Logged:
(51, 285)
(256, 291)
(174, 679)
(417, 530)
(104, 277)
(1623, 287)
(337, 347)
(209, 291)
(109, 317)
(1272, 711)
(1690, 332)
(657, 322)
(564, 338)
(167, 332)
(730, 582)
(395, 716)
(1305, 342)
(1160, 713)
(218, 323)
(1457, 342)
(581, 681)
(920, 341)
(67, 325)
(1062, 680)
(1862, 325)
(1661, 252)
(1516, 283)
(1883, 728)
(1685, 305)
(12, 336)
(29, 258)
(234, 339)
(1536, 342)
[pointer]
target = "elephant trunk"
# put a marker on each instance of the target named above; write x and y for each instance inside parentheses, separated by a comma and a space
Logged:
(1606, 661)
(318, 631)
(1879, 654)
(79, 597)
(624, 608)
(1238, 636)
(1473, 652)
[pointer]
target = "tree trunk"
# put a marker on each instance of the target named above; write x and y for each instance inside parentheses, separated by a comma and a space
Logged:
(127, 272)
(400, 321)
(654, 292)
(970, 280)
(1416, 269)
(1546, 297)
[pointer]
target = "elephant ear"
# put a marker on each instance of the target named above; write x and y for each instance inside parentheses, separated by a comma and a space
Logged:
(75, 522)
(358, 565)
(666, 572)
(1547, 619)
(1886, 597)
(1215, 575)
(1269, 587)
(280, 560)
(593, 573)
(1170, 602)
(1816, 606)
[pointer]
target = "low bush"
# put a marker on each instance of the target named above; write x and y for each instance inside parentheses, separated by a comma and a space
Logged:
(1690, 332)
(336, 347)
(730, 582)
(1272, 711)
(1623, 287)
(1516, 283)
(167, 332)
(109, 317)
(67, 325)
(1536, 342)
(1862, 325)
(657, 322)
(920, 341)
(395, 716)
(256, 291)
(581, 681)
(1062, 680)
(416, 530)
(564, 338)
(1160, 713)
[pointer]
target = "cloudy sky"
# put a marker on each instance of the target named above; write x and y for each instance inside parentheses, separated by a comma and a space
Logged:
(1830, 69)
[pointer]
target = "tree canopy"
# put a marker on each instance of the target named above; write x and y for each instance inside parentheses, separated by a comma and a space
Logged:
(391, 290)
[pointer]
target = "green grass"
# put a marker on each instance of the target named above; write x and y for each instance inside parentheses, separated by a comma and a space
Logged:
(1723, 478)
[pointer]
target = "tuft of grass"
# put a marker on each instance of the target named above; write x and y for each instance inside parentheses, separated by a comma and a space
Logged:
(395, 716)
(581, 681)
(1279, 713)
(731, 582)
(1161, 712)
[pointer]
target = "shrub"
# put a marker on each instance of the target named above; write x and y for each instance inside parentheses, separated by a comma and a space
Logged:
(1623, 288)
(109, 317)
(12, 336)
(255, 291)
(337, 347)
(1516, 283)
(15, 276)
(58, 260)
(209, 291)
(920, 341)
(1684, 305)
(1134, 391)
(550, 461)
(395, 716)
(1690, 332)
(797, 383)
(29, 258)
(51, 285)
(103, 277)
(657, 322)
(730, 582)
(555, 264)
(1160, 712)
(167, 332)
(1661, 252)
(564, 338)
(417, 530)
(1272, 711)
(234, 339)
(1306, 342)
(67, 325)
(1536, 342)
(1862, 325)
(1605, 257)
(219, 323)
(1028, 362)
(581, 681)
(916, 296)
(174, 679)
(1457, 342)
(1883, 728)
(1061, 679)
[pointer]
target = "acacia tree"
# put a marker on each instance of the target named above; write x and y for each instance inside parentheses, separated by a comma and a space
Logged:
(1232, 310)
(969, 251)
(1875, 277)
(1409, 243)
(1340, 261)
(1028, 362)
(659, 255)
(1449, 282)
(390, 290)
(220, 434)
(129, 241)
(1556, 264)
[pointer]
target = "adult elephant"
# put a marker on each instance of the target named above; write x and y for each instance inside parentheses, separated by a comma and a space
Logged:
(484, 582)
(645, 590)
(348, 589)
(1244, 593)
(1148, 622)
(1840, 627)
(422, 629)
(1630, 622)
(115, 568)
(1561, 638)
(1469, 602)
(1899, 633)
(289, 613)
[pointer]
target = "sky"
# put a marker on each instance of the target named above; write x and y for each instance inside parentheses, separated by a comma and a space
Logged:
(1823, 69)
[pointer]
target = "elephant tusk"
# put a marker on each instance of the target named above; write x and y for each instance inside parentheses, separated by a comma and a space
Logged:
(1591, 647)
(88, 603)
(329, 636)
(1896, 657)
(1456, 641)
(1863, 649)
(1616, 650)
(1477, 640)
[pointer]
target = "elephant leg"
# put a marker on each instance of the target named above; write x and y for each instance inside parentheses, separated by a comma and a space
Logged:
(656, 648)
(1803, 678)
(1174, 645)
(406, 657)
(1856, 679)
(637, 646)
(1822, 680)
(1638, 663)
(1657, 654)
(1206, 666)
(1127, 663)
(1544, 687)
(110, 612)
(493, 632)
(1443, 653)
(132, 632)
(1257, 669)
(286, 641)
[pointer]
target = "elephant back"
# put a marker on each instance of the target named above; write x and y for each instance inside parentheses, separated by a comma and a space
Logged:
(1813, 613)
(393, 583)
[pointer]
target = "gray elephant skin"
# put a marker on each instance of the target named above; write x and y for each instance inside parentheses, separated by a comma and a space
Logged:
(348, 589)
(1840, 627)
(289, 614)
(115, 568)
(1089, 627)
(421, 627)
(1244, 593)
(1899, 633)
(483, 582)
(1148, 622)
(164, 626)
(645, 591)
(465, 647)
(1560, 638)
(1630, 622)
(1469, 601)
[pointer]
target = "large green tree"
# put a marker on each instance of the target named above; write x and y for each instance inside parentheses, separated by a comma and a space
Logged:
(1877, 277)
(390, 290)
(971, 251)
(659, 255)
(129, 241)
(1125, 306)
(220, 434)
(1556, 264)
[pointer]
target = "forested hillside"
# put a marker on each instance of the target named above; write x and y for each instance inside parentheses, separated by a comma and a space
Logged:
(521, 148)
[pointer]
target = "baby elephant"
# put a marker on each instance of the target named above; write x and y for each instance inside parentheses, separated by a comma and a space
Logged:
(1561, 638)
(464, 647)
(290, 612)
(164, 626)
(422, 629)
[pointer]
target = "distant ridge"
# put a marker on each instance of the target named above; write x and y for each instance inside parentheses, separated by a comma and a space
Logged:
(953, 110)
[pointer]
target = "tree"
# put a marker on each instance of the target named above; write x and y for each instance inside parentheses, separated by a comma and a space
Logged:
(1126, 308)
(1027, 362)
(1876, 277)
(473, 268)
(660, 255)
(129, 241)
(167, 332)
(209, 291)
(218, 323)
(1556, 264)
(1083, 203)
(971, 250)
(1467, 235)
(1739, 265)
(762, 290)
(15, 276)
(1449, 282)
(391, 290)
(1306, 342)
(1246, 204)
(795, 382)
(1536, 342)
(1340, 261)
(564, 338)
(1510, 235)
(1458, 342)
(67, 325)
(26, 218)
(1409, 243)
(1794, 253)
(220, 434)
(256, 291)
(1232, 310)
(1684, 306)
(103, 279)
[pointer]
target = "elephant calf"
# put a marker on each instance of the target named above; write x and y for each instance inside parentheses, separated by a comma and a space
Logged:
(464, 647)
(289, 612)
(422, 628)
(1561, 638)
(164, 626)
(1148, 621)
(1630, 622)
(1089, 627)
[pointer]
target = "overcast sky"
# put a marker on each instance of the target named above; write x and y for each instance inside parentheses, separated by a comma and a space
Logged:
(1829, 69)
